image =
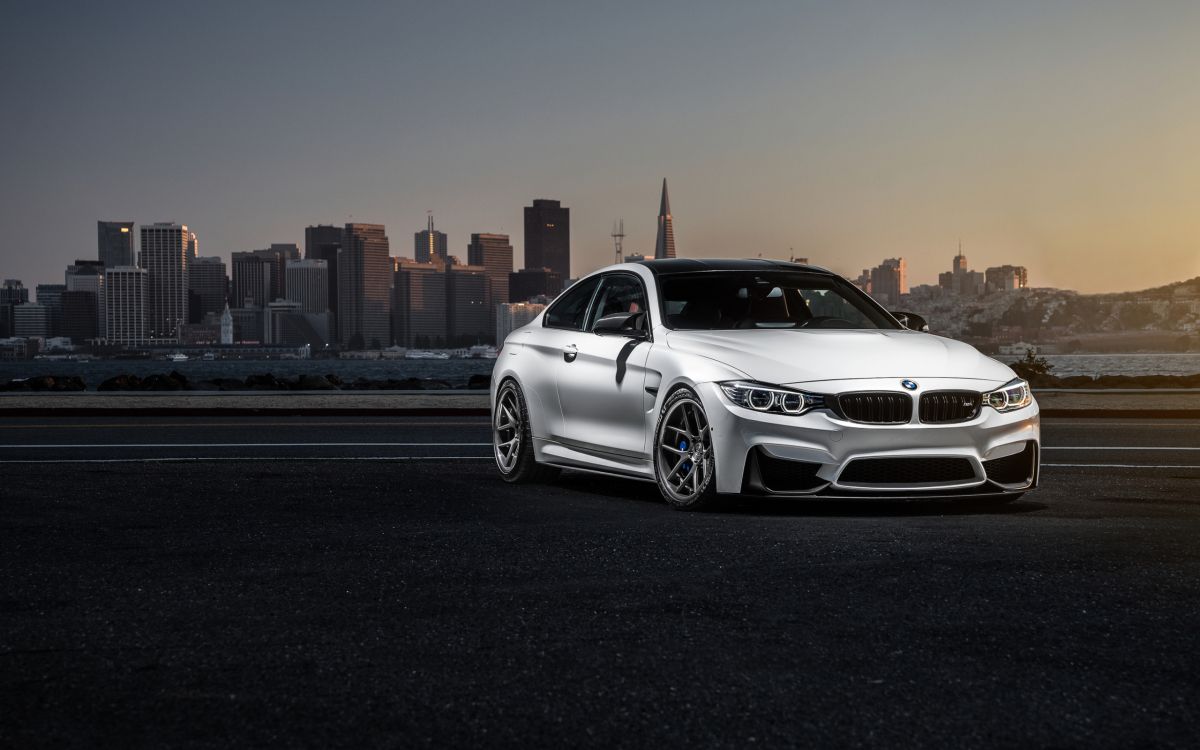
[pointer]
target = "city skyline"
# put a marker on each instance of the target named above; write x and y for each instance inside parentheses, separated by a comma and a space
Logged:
(840, 133)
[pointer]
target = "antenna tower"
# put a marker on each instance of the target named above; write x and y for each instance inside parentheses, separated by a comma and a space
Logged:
(618, 235)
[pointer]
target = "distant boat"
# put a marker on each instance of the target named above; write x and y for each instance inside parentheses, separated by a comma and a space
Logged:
(426, 355)
(209, 357)
(177, 357)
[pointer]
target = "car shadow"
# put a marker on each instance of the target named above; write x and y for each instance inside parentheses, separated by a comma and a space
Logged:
(632, 490)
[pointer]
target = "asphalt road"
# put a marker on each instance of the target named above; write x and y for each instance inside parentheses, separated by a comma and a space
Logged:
(353, 581)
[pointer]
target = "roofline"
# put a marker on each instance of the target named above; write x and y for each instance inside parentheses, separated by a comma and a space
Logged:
(668, 266)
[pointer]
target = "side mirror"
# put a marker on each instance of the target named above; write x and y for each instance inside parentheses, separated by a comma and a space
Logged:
(621, 324)
(911, 321)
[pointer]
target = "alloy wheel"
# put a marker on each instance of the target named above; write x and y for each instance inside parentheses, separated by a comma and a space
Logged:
(685, 455)
(506, 430)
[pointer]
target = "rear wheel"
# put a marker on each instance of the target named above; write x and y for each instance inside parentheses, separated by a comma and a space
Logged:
(512, 441)
(684, 464)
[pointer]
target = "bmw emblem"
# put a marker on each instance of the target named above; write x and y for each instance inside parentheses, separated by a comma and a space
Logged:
(909, 384)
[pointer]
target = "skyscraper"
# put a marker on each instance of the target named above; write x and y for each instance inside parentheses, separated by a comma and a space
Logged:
(664, 242)
(419, 304)
(548, 237)
(467, 319)
(429, 245)
(31, 319)
(164, 255)
(193, 246)
(125, 305)
(49, 296)
(889, 280)
(208, 286)
(86, 276)
(114, 240)
(495, 253)
(364, 287)
(511, 316)
(252, 275)
(308, 284)
(323, 242)
(79, 318)
(12, 293)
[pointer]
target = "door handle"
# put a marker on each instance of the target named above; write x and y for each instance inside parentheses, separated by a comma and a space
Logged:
(570, 352)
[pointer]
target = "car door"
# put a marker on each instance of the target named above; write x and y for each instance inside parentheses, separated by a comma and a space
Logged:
(562, 325)
(601, 378)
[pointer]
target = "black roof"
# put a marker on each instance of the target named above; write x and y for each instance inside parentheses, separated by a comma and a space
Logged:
(664, 266)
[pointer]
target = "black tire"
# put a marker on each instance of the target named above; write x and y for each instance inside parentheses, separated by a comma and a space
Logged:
(688, 482)
(517, 467)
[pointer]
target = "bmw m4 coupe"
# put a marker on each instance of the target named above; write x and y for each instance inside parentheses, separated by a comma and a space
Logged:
(715, 377)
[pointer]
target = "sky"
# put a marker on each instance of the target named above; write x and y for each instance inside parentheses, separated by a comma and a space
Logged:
(1058, 135)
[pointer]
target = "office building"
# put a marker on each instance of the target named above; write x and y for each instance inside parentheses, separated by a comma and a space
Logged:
(429, 245)
(12, 293)
(889, 280)
(528, 283)
(125, 305)
(31, 320)
(324, 242)
(308, 284)
(193, 246)
(512, 315)
(80, 321)
(419, 304)
(364, 287)
(114, 240)
(548, 238)
(251, 279)
(664, 242)
(208, 287)
(495, 254)
(468, 319)
(1006, 278)
(164, 256)
(49, 296)
(86, 276)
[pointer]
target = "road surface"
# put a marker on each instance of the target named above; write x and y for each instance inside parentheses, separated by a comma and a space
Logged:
(357, 581)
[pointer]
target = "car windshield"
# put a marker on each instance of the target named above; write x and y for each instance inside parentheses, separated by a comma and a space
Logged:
(725, 300)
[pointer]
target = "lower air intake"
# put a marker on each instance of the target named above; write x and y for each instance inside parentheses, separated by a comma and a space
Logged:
(1014, 469)
(907, 471)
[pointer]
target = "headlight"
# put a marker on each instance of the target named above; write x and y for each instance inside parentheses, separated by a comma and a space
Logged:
(1014, 395)
(772, 399)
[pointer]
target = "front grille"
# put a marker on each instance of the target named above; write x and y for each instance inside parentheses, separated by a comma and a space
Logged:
(942, 407)
(876, 408)
(907, 471)
(1014, 469)
(782, 475)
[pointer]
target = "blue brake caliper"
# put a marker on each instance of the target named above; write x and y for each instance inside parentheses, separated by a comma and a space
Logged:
(687, 465)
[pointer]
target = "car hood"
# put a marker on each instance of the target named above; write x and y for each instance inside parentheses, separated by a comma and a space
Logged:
(790, 356)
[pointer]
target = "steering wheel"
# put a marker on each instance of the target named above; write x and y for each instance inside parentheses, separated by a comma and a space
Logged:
(823, 319)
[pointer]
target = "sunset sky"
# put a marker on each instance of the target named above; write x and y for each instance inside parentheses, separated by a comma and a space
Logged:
(1064, 136)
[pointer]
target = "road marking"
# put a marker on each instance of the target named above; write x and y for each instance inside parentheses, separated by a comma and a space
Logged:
(235, 445)
(1122, 466)
(293, 459)
(1118, 448)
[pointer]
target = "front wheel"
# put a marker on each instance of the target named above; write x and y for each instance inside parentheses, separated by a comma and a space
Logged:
(684, 464)
(512, 441)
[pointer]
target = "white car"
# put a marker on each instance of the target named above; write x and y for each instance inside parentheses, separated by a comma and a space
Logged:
(714, 377)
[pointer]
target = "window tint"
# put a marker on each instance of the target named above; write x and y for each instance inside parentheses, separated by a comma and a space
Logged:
(569, 309)
(619, 293)
(783, 299)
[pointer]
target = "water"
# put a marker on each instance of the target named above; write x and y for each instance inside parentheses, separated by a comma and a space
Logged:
(457, 371)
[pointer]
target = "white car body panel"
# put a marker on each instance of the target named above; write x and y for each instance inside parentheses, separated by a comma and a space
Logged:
(598, 413)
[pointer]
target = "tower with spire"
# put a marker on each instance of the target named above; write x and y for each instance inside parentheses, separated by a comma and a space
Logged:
(664, 244)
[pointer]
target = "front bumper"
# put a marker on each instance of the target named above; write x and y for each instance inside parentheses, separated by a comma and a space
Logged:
(808, 456)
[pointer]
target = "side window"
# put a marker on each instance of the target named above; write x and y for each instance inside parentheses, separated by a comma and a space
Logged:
(619, 293)
(568, 310)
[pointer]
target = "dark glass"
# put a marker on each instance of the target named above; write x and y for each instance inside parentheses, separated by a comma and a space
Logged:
(727, 300)
(619, 294)
(568, 311)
